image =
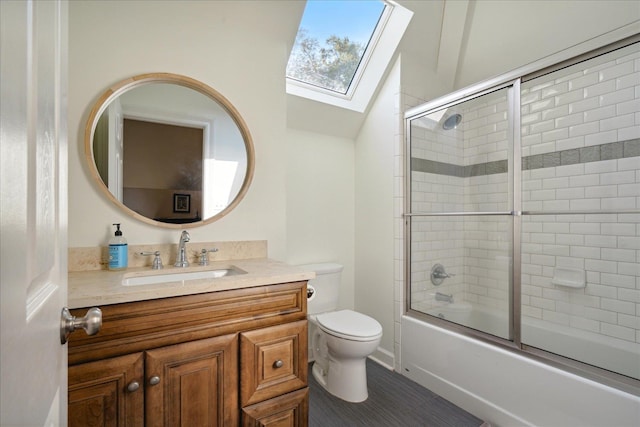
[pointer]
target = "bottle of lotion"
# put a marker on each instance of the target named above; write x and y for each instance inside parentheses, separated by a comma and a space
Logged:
(118, 251)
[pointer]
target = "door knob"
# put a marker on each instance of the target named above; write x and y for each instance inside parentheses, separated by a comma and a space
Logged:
(91, 323)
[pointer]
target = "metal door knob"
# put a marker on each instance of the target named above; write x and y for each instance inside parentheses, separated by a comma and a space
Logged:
(154, 380)
(133, 386)
(91, 323)
(278, 364)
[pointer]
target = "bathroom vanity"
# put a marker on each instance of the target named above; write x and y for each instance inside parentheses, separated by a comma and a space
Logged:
(226, 351)
(216, 344)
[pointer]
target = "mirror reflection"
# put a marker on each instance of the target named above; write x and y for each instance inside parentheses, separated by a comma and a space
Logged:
(170, 150)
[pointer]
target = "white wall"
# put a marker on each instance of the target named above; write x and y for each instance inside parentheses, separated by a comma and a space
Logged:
(222, 44)
(375, 155)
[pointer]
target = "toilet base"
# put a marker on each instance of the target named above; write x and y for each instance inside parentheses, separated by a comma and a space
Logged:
(346, 380)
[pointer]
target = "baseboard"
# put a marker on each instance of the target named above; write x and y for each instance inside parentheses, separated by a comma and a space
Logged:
(384, 358)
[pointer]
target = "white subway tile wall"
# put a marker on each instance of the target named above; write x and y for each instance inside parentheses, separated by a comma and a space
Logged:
(580, 188)
(598, 178)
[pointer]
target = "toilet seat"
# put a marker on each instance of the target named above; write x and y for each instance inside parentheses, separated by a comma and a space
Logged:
(349, 325)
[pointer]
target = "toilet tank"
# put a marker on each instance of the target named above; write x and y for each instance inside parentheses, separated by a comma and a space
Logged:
(326, 286)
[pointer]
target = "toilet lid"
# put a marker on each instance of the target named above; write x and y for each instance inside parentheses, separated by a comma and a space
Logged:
(349, 324)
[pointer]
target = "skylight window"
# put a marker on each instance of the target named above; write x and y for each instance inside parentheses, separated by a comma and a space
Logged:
(331, 42)
(343, 48)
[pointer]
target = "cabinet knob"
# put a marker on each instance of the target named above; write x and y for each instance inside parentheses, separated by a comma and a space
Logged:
(154, 380)
(133, 386)
(278, 364)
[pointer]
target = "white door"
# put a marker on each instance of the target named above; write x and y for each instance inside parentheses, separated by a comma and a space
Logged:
(33, 211)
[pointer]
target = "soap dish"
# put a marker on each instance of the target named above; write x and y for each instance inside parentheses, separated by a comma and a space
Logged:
(569, 277)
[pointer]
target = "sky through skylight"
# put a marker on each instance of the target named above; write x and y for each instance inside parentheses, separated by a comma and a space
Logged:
(333, 65)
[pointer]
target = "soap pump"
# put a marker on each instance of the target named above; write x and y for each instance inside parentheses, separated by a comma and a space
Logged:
(118, 251)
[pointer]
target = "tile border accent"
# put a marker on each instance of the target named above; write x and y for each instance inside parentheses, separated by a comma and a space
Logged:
(595, 153)
(440, 168)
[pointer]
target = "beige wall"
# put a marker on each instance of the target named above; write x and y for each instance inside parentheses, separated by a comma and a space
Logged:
(504, 35)
(301, 198)
(222, 44)
(499, 36)
(320, 204)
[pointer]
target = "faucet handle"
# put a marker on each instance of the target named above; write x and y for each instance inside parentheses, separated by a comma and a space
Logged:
(204, 255)
(157, 261)
(438, 274)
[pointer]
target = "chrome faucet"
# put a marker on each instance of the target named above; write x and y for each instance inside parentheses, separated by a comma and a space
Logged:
(444, 297)
(181, 261)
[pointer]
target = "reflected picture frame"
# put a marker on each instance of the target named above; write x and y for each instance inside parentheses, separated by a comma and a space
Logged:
(181, 203)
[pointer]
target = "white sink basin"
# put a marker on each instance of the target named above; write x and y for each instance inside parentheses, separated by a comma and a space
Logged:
(181, 276)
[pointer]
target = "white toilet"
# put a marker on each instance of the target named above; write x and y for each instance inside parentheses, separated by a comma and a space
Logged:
(340, 340)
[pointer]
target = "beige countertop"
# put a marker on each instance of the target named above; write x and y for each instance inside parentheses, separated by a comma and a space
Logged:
(104, 287)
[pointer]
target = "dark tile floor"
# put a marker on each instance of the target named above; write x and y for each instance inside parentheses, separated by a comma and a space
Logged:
(394, 400)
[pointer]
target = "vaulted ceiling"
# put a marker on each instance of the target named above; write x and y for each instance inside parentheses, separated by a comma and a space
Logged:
(450, 44)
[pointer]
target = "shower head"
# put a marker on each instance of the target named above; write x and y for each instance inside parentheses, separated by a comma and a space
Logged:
(452, 121)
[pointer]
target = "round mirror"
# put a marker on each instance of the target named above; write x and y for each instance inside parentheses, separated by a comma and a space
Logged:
(169, 150)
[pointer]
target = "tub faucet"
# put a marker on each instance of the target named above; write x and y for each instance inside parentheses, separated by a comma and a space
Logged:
(181, 261)
(444, 297)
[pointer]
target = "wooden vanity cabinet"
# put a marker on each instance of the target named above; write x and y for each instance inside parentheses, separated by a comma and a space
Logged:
(217, 359)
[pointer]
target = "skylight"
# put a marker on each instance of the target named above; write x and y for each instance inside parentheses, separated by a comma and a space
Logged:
(331, 42)
(343, 48)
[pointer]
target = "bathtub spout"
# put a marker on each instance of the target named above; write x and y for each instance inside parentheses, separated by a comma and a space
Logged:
(444, 297)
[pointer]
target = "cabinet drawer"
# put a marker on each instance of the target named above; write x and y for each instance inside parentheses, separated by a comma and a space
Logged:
(273, 361)
(138, 326)
(291, 409)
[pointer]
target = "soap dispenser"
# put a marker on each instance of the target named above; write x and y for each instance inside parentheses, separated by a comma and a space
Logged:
(118, 251)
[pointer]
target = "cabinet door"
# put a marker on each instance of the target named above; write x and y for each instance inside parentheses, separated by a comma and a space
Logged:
(273, 361)
(193, 384)
(107, 392)
(289, 410)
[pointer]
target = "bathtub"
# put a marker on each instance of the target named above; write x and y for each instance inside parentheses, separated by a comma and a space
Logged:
(508, 389)
(598, 350)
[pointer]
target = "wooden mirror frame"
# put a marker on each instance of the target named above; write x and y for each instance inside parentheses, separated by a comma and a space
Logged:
(125, 85)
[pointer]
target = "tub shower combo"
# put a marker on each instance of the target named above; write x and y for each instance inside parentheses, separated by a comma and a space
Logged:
(523, 244)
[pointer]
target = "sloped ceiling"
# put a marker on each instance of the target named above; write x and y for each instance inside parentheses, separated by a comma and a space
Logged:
(451, 44)
(421, 41)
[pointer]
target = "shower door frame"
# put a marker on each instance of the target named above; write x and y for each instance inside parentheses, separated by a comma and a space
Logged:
(514, 178)
(512, 81)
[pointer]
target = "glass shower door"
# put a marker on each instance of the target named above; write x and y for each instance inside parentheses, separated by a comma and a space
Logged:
(581, 212)
(460, 220)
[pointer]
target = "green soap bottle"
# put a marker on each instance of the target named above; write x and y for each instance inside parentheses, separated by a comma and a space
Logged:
(118, 251)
